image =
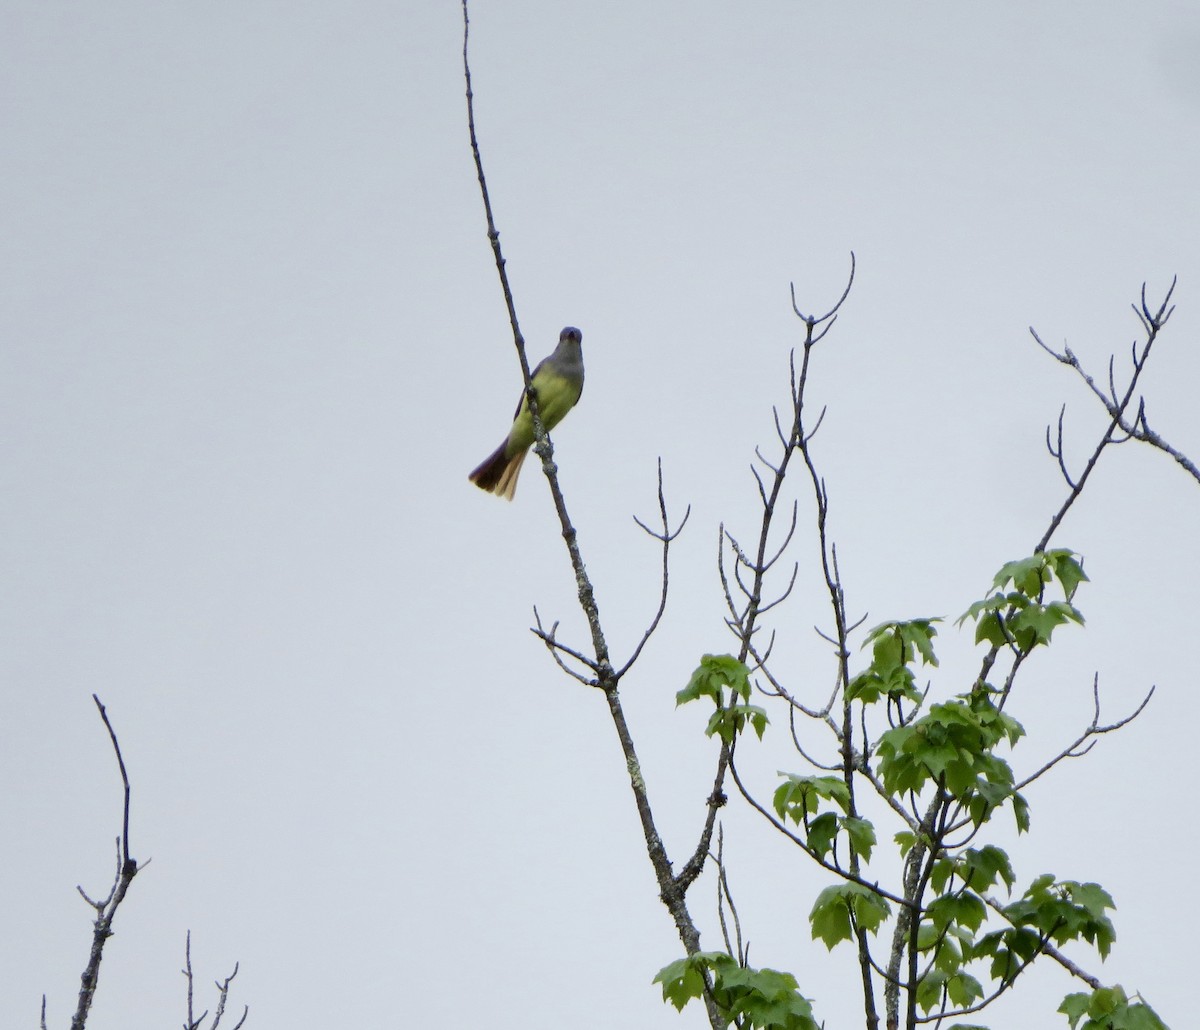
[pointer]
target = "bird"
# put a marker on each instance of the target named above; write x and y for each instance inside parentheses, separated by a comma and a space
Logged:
(558, 380)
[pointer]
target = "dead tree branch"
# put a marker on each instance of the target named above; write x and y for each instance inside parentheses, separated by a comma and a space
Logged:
(195, 1022)
(106, 909)
(1121, 426)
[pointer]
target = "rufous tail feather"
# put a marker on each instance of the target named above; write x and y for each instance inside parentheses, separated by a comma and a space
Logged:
(498, 474)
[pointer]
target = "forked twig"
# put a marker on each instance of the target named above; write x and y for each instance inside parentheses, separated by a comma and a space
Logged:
(1083, 744)
(106, 909)
(554, 647)
(666, 537)
(195, 1022)
(1116, 404)
(734, 947)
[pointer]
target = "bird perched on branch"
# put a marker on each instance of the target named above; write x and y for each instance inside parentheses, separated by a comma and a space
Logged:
(558, 381)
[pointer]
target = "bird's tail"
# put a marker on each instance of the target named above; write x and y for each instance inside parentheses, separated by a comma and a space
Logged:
(498, 473)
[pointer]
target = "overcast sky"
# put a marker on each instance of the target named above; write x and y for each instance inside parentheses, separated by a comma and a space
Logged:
(252, 342)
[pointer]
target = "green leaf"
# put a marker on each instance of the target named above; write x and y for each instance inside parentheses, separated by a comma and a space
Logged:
(895, 647)
(964, 989)
(758, 719)
(1074, 1007)
(1142, 1017)
(830, 916)
(927, 936)
(1105, 1001)
(1036, 623)
(1109, 1008)
(981, 868)
(1022, 616)
(1093, 897)
(713, 674)
(799, 796)
(682, 981)
(897, 765)
(1023, 943)
(953, 744)
(940, 875)
(861, 834)
(821, 832)
(929, 989)
(1021, 811)
(969, 910)
(762, 998)
(1067, 911)
(1026, 574)
(899, 643)
(949, 957)
(728, 722)
(1069, 571)
(768, 982)
(965, 909)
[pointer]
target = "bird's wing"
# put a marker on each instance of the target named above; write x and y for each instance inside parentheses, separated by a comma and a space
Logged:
(532, 376)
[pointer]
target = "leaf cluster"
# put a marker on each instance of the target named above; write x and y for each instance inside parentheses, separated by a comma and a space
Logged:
(750, 997)
(799, 798)
(953, 746)
(713, 677)
(1109, 1008)
(1020, 616)
(894, 645)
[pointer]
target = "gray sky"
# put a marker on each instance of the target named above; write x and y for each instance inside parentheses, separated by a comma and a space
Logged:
(252, 343)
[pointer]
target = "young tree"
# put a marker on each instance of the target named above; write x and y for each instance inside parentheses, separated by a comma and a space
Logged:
(956, 927)
(949, 925)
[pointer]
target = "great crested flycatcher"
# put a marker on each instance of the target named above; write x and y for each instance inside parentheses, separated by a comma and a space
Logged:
(558, 381)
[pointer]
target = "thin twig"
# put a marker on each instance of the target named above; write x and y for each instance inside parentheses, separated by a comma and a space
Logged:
(196, 1022)
(1078, 749)
(547, 637)
(666, 537)
(725, 896)
(845, 874)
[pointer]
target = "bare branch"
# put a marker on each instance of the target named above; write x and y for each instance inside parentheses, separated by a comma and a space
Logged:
(716, 800)
(665, 538)
(1084, 743)
(766, 607)
(824, 863)
(553, 646)
(1117, 405)
(106, 910)
(1142, 431)
(800, 748)
(832, 312)
(816, 425)
(195, 1022)
(762, 493)
(1056, 449)
(725, 896)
